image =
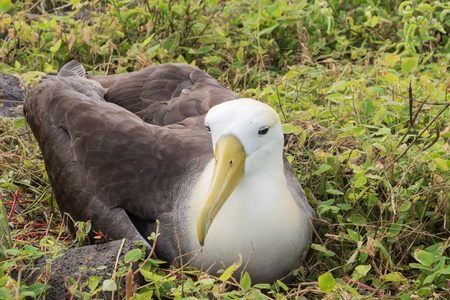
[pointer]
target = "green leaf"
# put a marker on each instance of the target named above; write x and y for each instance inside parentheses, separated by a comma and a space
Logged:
(392, 79)
(131, 13)
(133, 255)
(357, 219)
(240, 54)
(367, 106)
(431, 88)
(27, 294)
(88, 226)
(409, 64)
(394, 277)
(5, 5)
(344, 206)
(291, 74)
(432, 166)
(323, 168)
(405, 206)
(358, 130)
(181, 59)
(227, 274)
(423, 257)
(37, 288)
(109, 285)
(146, 41)
(30, 248)
(268, 30)
(326, 282)
(56, 47)
(405, 297)
(421, 267)
(424, 292)
(441, 163)
(93, 282)
(262, 286)
(444, 14)
(19, 122)
(409, 41)
(282, 285)
(322, 249)
(429, 279)
(334, 192)
(354, 235)
(361, 181)
(147, 274)
(289, 128)
(246, 282)
(425, 7)
(164, 7)
(338, 86)
(378, 90)
(361, 271)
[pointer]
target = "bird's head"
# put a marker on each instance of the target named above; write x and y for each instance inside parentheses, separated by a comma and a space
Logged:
(246, 136)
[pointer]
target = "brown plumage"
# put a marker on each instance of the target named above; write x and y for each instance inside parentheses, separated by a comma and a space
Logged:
(127, 149)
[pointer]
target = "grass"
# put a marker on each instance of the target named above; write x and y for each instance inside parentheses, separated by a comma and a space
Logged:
(362, 87)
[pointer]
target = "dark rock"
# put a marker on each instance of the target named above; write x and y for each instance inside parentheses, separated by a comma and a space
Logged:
(11, 96)
(80, 264)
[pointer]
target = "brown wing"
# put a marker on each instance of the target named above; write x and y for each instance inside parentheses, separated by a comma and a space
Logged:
(104, 162)
(165, 94)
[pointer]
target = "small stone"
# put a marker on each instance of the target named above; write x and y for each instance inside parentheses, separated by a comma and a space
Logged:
(80, 264)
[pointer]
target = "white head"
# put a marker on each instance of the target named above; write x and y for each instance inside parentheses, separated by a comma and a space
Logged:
(256, 125)
(247, 140)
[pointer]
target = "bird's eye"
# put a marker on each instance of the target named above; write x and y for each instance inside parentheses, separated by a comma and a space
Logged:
(208, 128)
(263, 130)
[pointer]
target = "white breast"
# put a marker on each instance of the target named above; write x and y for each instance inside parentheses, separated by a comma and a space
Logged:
(260, 221)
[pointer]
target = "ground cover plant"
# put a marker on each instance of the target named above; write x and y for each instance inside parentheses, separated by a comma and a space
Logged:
(361, 86)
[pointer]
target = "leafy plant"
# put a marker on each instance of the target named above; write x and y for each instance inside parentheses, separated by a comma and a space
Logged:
(362, 87)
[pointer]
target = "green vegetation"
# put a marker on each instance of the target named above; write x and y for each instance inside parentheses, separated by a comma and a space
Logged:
(362, 86)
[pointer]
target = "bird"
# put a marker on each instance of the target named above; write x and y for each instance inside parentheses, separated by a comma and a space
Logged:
(169, 144)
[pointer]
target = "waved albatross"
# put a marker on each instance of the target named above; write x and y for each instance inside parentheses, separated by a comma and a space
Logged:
(170, 143)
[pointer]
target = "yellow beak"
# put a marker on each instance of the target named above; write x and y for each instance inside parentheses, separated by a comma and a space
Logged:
(228, 172)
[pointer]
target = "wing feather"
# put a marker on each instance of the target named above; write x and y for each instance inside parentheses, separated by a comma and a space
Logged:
(103, 160)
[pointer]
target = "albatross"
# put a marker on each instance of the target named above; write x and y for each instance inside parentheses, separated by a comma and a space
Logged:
(170, 143)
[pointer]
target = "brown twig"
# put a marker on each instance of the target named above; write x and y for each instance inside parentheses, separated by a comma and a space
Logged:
(20, 202)
(364, 286)
(33, 224)
(129, 283)
(279, 103)
(412, 120)
(24, 235)
(18, 282)
(424, 102)
(152, 251)
(411, 106)
(16, 198)
(417, 137)
(314, 229)
(248, 260)
(117, 262)
(438, 134)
